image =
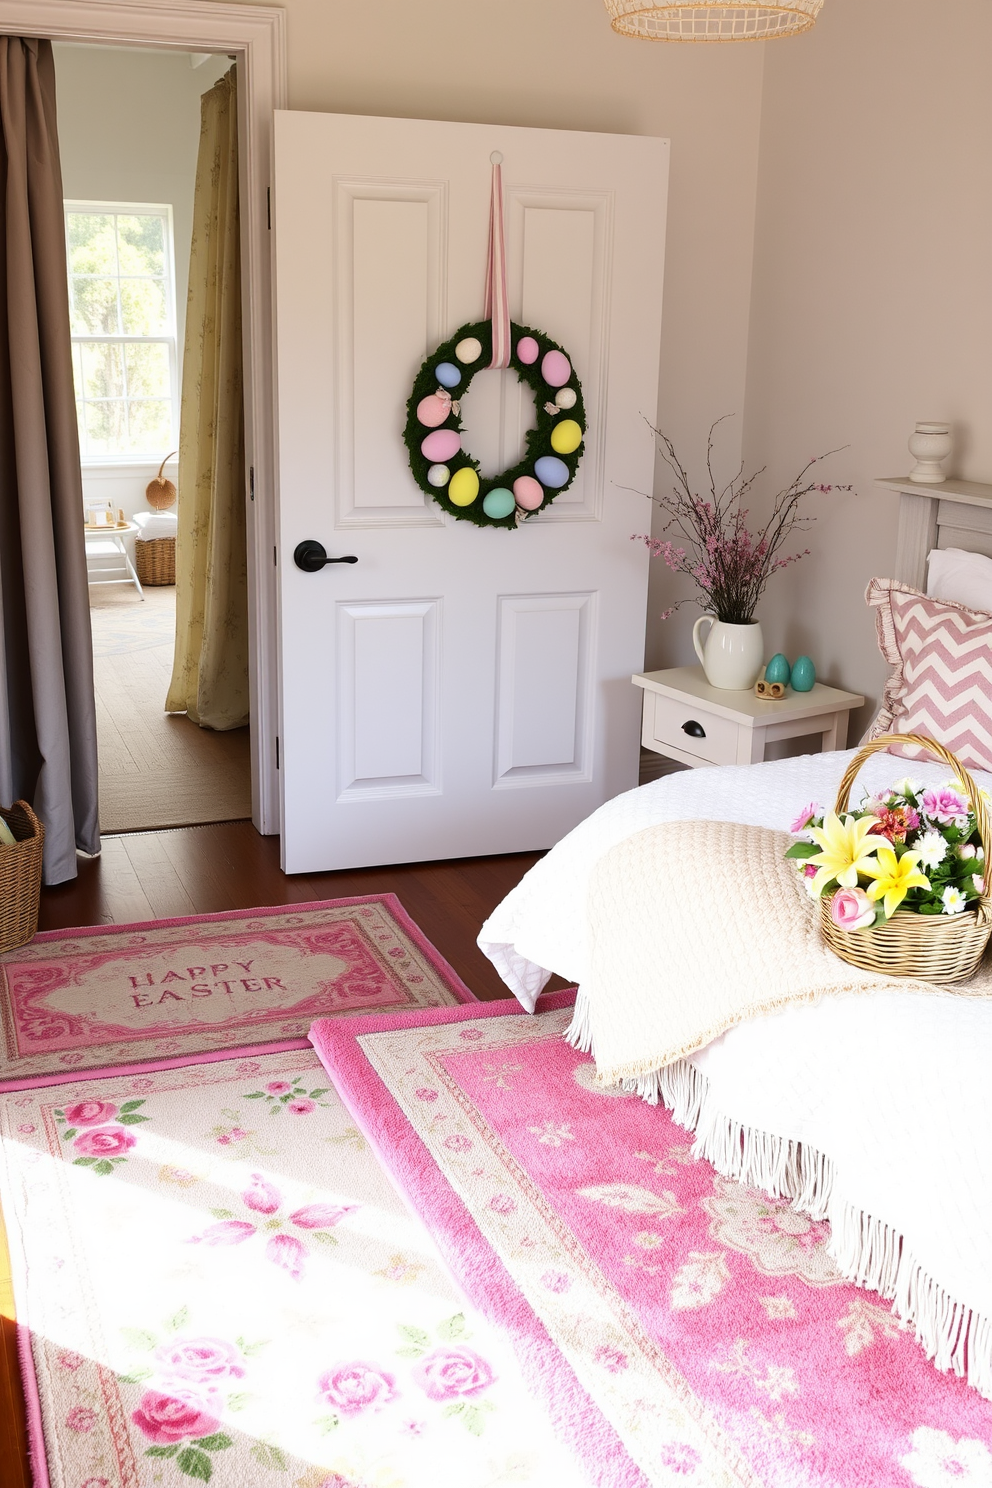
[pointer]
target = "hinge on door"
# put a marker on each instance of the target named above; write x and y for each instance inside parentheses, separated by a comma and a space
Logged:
(268, 207)
(251, 483)
(277, 751)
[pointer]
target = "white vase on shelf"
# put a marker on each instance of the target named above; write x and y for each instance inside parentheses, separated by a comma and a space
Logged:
(929, 444)
(731, 654)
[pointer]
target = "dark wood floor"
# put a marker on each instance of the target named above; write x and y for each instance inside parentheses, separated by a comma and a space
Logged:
(201, 870)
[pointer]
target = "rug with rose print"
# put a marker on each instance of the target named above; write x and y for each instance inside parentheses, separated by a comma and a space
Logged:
(207, 1295)
(705, 1319)
(168, 990)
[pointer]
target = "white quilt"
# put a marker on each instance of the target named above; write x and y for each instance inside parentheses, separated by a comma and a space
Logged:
(875, 1111)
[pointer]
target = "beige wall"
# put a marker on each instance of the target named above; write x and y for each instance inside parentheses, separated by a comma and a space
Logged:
(872, 297)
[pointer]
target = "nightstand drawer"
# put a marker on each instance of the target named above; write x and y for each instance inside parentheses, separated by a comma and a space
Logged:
(670, 721)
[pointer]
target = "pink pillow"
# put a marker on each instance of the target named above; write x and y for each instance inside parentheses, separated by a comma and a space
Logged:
(941, 680)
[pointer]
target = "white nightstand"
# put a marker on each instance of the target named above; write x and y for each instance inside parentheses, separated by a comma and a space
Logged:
(688, 720)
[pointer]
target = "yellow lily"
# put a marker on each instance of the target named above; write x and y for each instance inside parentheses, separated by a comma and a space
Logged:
(894, 877)
(847, 848)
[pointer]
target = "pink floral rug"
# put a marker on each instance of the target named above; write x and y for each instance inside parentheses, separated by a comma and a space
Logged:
(209, 1295)
(706, 1320)
(81, 1001)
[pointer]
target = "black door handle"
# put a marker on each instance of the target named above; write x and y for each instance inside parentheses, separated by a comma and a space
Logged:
(694, 730)
(311, 556)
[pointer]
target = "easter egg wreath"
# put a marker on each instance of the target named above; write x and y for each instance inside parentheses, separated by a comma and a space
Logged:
(446, 471)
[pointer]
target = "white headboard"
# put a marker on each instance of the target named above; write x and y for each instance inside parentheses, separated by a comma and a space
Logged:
(955, 514)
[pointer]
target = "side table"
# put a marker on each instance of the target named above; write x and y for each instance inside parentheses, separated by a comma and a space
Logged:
(688, 720)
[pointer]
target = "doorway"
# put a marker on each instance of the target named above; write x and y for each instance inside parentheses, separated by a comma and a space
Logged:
(130, 125)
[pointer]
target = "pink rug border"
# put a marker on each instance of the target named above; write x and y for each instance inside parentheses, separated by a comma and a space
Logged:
(486, 1282)
(458, 988)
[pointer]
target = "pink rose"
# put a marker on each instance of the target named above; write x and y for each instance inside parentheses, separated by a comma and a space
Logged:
(556, 1281)
(357, 1387)
(502, 1203)
(805, 816)
(302, 1107)
(851, 909)
(104, 1141)
(451, 1372)
(321, 1216)
(81, 1418)
(27, 1127)
(426, 1094)
(470, 1034)
(943, 804)
(611, 1359)
(679, 1458)
(90, 1113)
(177, 1415)
(261, 1196)
(69, 1359)
(278, 1087)
(224, 1232)
(457, 1143)
(289, 1253)
(200, 1359)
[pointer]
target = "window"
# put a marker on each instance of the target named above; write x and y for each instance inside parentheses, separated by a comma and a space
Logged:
(122, 305)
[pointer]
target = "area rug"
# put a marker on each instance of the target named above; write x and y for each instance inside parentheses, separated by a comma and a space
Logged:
(706, 1320)
(166, 991)
(206, 1294)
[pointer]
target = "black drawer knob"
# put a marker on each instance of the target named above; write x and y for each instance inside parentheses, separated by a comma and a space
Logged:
(694, 730)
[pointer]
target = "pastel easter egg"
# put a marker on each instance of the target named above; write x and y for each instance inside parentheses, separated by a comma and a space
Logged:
(556, 369)
(566, 397)
(469, 350)
(464, 486)
(527, 350)
(551, 472)
(566, 436)
(778, 669)
(432, 411)
(441, 445)
(803, 674)
(439, 475)
(528, 493)
(498, 503)
(447, 374)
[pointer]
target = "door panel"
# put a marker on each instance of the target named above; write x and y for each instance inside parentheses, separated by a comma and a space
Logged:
(458, 690)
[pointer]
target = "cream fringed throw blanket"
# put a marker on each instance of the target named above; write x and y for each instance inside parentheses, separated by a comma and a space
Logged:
(696, 926)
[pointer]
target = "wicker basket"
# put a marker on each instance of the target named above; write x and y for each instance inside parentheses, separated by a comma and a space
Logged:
(155, 560)
(936, 948)
(20, 876)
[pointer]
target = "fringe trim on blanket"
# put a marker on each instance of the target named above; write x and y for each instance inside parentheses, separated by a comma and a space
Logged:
(866, 1250)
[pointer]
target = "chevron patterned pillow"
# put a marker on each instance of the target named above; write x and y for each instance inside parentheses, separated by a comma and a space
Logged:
(941, 679)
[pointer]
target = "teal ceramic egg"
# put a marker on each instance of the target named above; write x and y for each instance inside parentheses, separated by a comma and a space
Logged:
(778, 669)
(803, 674)
(498, 503)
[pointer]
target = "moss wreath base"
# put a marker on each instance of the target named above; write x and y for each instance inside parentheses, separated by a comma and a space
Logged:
(537, 442)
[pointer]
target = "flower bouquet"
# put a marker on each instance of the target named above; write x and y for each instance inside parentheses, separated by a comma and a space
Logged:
(901, 880)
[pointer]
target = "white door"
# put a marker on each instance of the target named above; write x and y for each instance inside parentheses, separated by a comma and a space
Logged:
(459, 690)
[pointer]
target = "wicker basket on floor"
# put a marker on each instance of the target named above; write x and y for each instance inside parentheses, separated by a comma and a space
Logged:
(20, 876)
(155, 560)
(936, 948)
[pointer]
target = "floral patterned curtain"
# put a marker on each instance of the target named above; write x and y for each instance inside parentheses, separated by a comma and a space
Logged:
(210, 672)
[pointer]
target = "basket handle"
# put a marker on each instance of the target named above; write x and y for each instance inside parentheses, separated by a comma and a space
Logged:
(975, 796)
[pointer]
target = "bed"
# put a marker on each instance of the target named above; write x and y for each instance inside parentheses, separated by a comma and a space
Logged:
(872, 1112)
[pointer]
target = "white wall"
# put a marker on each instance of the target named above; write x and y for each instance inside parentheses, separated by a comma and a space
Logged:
(129, 127)
(872, 297)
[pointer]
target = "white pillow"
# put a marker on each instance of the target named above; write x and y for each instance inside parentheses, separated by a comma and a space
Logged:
(960, 577)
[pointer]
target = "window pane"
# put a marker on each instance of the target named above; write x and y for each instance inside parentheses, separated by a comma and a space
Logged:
(151, 426)
(104, 428)
(94, 307)
(148, 371)
(141, 244)
(144, 307)
(102, 370)
(92, 243)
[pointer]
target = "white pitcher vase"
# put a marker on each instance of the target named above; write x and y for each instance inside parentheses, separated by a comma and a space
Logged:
(731, 654)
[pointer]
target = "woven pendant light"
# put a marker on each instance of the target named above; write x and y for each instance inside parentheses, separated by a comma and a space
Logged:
(709, 20)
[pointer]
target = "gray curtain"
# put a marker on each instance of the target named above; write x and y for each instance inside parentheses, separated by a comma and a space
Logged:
(47, 713)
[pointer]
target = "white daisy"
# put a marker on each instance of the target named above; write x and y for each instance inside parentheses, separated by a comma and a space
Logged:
(932, 849)
(953, 900)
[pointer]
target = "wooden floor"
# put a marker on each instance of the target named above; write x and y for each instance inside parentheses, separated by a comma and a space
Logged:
(156, 769)
(202, 870)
